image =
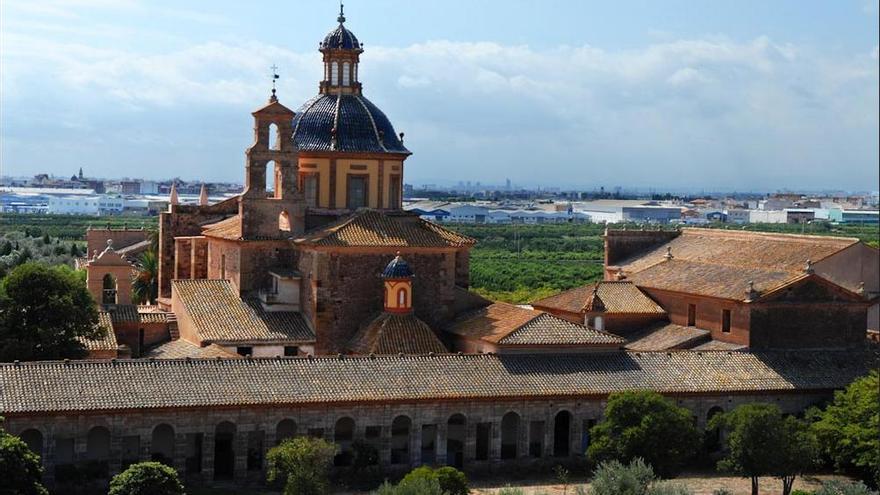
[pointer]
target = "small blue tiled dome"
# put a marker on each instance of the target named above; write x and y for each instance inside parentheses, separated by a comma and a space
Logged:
(397, 268)
(340, 39)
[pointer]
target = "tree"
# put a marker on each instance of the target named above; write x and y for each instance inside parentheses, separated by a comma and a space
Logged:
(847, 428)
(614, 478)
(451, 480)
(761, 442)
(644, 424)
(419, 486)
(145, 288)
(301, 464)
(17, 459)
(146, 478)
(43, 312)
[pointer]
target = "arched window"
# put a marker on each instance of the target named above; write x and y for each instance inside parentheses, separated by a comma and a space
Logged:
(343, 434)
(224, 451)
(274, 143)
(562, 434)
(284, 221)
(400, 429)
(162, 445)
(456, 433)
(98, 444)
(109, 293)
(346, 74)
(334, 74)
(286, 429)
(713, 435)
(401, 298)
(509, 435)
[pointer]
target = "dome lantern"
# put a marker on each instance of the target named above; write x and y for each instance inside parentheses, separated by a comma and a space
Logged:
(397, 277)
(341, 50)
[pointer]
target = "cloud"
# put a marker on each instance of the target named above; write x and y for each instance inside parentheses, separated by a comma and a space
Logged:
(713, 111)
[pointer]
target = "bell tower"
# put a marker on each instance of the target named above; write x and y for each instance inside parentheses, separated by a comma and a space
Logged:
(281, 212)
(398, 276)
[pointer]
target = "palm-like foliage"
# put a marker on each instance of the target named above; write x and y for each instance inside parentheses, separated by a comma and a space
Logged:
(145, 287)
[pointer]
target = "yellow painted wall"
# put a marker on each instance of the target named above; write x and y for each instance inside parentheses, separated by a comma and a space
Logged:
(391, 289)
(323, 169)
(386, 180)
(343, 168)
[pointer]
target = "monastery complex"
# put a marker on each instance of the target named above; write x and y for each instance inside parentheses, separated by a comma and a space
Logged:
(319, 307)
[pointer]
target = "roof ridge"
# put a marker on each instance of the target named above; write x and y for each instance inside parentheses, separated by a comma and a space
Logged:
(373, 122)
(786, 236)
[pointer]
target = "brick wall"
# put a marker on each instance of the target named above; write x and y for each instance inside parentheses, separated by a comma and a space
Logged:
(96, 239)
(708, 314)
(622, 244)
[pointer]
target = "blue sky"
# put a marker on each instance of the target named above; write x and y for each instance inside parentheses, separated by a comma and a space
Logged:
(730, 95)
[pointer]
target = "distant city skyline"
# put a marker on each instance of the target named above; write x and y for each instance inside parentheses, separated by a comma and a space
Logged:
(714, 96)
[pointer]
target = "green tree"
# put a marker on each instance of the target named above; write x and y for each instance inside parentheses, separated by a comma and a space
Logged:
(43, 312)
(145, 287)
(17, 460)
(762, 442)
(5, 248)
(838, 487)
(74, 250)
(418, 486)
(647, 425)
(848, 428)
(451, 480)
(301, 465)
(46, 239)
(146, 478)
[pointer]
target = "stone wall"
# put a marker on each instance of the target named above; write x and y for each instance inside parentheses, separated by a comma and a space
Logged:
(808, 325)
(467, 434)
(708, 314)
(96, 239)
(622, 244)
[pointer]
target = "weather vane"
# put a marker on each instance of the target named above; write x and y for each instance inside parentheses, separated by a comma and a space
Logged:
(275, 77)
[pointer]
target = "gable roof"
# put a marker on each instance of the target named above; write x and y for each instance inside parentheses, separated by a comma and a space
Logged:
(664, 336)
(506, 324)
(106, 342)
(621, 297)
(177, 349)
(56, 386)
(395, 333)
(374, 228)
(229, 228)
(220, 315)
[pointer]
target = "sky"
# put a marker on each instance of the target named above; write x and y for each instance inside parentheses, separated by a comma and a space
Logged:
(702, 94)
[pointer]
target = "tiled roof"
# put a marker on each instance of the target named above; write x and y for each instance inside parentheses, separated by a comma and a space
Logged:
(397, 268)
(392, 333)
(360, 126)
(506, 324)
(220, 315)
(151, 314)
(616, 297)
(720, 263)
(229, 228)
(108, 341)
(340, 38)
(57, 386)
(717, 345)
(766, 251)
(136, 248)
(373, 228)
(122, 313)
(729, 282)
(177, 349)
(665, 336)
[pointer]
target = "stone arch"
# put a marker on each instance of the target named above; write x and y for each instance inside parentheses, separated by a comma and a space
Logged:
(402, 297)
(400, 436)
(286, 429)
(562, 434)
(274, 141)
(509, 435)
(109, 289)
(98, 444)
(33, 438)
(224, 451)
(334, 73)
(284, 221)
(456, 436)
(162, 444)
(713, 435)
(343, 435)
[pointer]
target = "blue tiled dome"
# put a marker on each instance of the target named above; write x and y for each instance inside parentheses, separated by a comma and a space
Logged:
(341, 39)
(361, 126)
(397, 268)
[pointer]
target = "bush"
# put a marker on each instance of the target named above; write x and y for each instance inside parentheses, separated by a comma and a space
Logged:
(451, 480)
(668, 488)
(801, 492)
(645, 425)
(509, 490)
(614, 478)
(721, 491)
(416, 486)
(301, 464)
(837, 487)
(17, 459)
(146, 478)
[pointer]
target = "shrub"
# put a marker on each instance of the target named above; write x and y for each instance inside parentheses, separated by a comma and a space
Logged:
(509, 490)
(415, 486)
(16, 458)
(646, 425)
(301, 464)
(146, 478)
(721, 491)
(837, 487)
(801, 492)
(451, 480)
(615, 478)
(668, 488)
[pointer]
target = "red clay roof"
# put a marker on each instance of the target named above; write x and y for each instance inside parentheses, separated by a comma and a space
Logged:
(392, 334)
(229, 228)
(616, 297)
(374, 228)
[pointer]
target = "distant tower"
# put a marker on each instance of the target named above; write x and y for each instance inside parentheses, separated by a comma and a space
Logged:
(203, 196)
(172, 196)
(80, 173)
(398, 286)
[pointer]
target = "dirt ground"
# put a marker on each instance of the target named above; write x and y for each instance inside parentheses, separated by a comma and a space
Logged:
(701, 484)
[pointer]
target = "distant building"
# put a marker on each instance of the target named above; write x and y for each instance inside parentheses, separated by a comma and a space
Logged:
(855, 216)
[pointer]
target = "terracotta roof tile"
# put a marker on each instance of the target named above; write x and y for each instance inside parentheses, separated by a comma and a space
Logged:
(506, 324)
(220, 315)
(151, 314)
(729, 282)
(108, 341)
(57, 386)
(122, 313)
(617, 297)
(229, 228)
(373, 228)
(177, 349)
(717, 345)
(391, 334)
(666, 336)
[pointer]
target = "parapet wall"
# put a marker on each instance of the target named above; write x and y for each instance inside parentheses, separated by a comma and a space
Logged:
(623, 244)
